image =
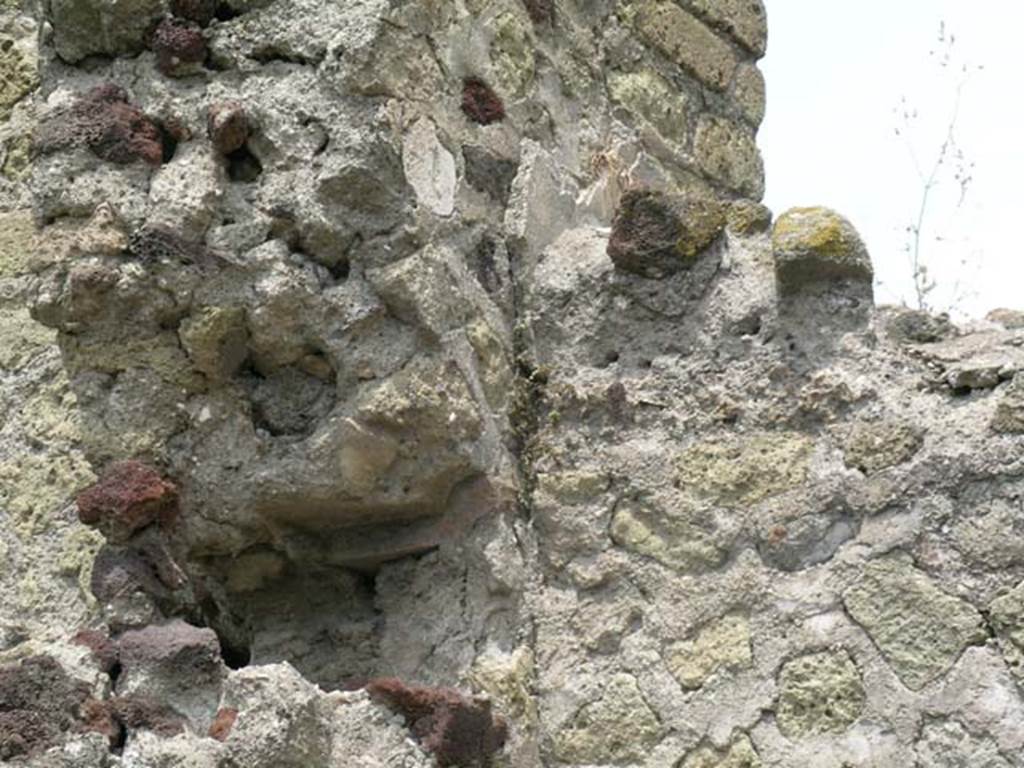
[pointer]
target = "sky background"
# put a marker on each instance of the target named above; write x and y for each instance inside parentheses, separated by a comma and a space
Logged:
(837, 72)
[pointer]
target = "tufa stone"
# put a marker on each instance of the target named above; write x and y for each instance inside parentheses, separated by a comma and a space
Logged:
(813, 245)
(819, 693)
(920, 630)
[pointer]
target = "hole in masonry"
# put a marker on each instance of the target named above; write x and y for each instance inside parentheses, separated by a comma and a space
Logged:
(235, 656)
(225, 12)
(244, 166)
(168, 145)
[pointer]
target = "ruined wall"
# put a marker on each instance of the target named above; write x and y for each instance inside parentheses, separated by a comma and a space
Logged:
(421, 382)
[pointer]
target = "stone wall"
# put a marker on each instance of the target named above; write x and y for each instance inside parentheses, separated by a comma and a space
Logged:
(421, 382)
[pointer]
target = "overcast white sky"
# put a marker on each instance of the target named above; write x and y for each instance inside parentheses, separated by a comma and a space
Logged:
(837, 70)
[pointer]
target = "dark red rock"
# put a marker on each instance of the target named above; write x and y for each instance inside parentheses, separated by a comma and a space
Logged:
(190, 656)
(540, 11)
(114, 717)
(222, 723)
(39, 704)
(128, 496)
(107, 124)
(202, 12)
(179, 45)
(141, 712)
(480, 103)
(457, 729)
(104, 650)
(227, 126)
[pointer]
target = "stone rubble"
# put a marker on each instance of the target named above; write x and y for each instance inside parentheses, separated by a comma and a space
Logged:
(422, 383)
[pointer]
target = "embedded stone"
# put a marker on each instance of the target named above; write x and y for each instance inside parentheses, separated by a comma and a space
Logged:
(743, 20)
(458, 730)
(811, 245)
(727, 154)
(39, 706)
(216, 340)
(647, 94)
(179, 46)
(1007, 616)
(1008, 418)
(227, 125)
(723, 645)
(429, 168)
(678, 540)
(489, 173)
(920, 630)
(874, 446)
(617, 727)
(819, 693)
(18, 73)
(102, 27)
(747, 217)
(947, 744)
(686, 41)
(655, 234)
(128, 496)
(104, 121)
(739, 754)
(749, 93)
(745, 470)
(480, 103)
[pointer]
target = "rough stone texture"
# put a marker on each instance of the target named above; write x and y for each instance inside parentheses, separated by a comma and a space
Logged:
(920, 629)
(129, 495)
(455, 729)
(815, 244)
(874, 447)
(654, 235)
(422, 426)
(818, 693)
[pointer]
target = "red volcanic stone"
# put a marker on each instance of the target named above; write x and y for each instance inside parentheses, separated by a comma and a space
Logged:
(128, 496)
(202, 12)
(141, 712)
(107, 124)
(179, 45)
(190, 656)
(222, 723)
(104, 650)
(540, 11)
(457, 729)
(480, 103)
(227, 126)
(39, 704)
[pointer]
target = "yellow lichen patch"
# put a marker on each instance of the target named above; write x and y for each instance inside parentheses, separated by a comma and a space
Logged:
(512, 53)
(507, 678)
(814, 229)
(17, 158)
(744, 470)
(739, 754)
(33, 488)
(678, 541)
(19, 71)
(495, 368)
(722, 645)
